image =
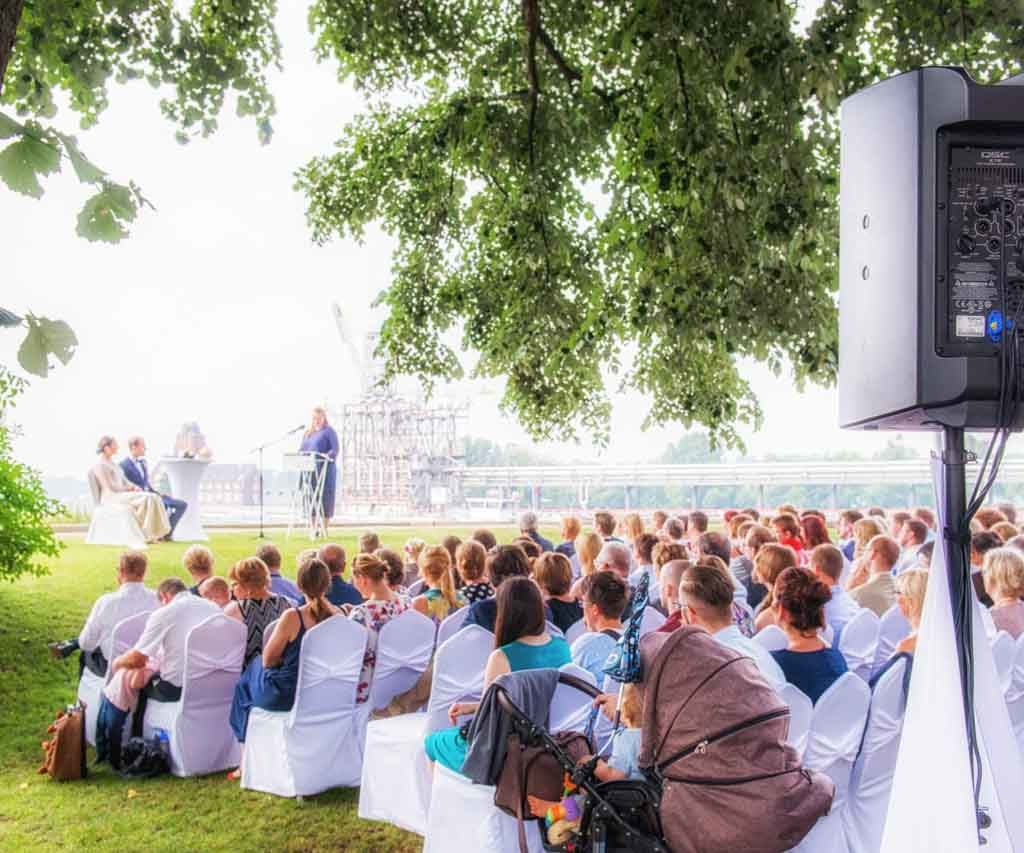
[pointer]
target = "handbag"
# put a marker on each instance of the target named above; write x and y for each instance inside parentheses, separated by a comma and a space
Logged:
(65, 750)
(533, 771)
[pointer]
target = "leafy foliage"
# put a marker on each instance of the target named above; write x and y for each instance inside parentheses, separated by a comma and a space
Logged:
(25, 535)
(45, 338)
(643, 192)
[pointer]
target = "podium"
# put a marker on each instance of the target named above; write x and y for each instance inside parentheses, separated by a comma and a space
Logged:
(185, 476)
(307, 504)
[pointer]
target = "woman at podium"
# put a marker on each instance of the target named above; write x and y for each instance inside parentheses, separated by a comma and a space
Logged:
(321, 438)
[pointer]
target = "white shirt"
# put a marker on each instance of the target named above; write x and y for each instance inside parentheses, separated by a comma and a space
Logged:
(167, 628)
(732, 638)
(907, 560)
(110, 608)
(839, 610)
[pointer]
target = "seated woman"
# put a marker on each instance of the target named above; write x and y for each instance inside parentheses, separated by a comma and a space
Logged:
(439, 599)
(911, 587)
(771, 561)
(799, 603)
(147, 507)
(588, 546)
(269, 681)
(471, 563)
(553, 575)
(380, 606)
(1003, 574)
(396, 569)
(254, 603)
(521, 641)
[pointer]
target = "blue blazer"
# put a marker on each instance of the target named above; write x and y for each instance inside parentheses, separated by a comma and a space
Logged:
(132, 473)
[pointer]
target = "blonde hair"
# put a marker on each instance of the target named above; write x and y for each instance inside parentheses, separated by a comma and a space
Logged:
(570, 528)
(864, 530)
(197, 559)
(1003, 572)
(588, 546)
(634, 525)
(912, 585)
(632, 706)
(370, 567)
(317, 410)
(251, 573)
(1004, 530)
(436, 567)
(214, 586)
(771, 561)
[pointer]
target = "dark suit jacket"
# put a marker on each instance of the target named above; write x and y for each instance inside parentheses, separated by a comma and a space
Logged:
(132, 473)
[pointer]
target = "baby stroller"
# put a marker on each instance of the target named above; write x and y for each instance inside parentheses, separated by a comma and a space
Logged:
(719, 773)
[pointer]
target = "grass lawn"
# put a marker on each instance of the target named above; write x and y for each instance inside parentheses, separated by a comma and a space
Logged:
(106, 812)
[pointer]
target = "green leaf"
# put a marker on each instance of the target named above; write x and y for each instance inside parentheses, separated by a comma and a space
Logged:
(86, 171)
(107, 215)
(22, 163)
(9, 127)
(45, 338)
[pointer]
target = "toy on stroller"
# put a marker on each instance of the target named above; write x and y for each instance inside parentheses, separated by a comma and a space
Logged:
(719, 773)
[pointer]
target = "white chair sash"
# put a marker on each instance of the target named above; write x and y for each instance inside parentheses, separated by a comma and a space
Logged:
(858, 642)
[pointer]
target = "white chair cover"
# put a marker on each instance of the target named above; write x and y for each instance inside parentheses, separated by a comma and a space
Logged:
(801, 711)
(892, 628)
(396, 779)
(858, 643)
(570, 708)
(111, 524)
(871, 782)
(1003, 650)
(576, 630)
(652, 620)
(554, 630)
(404, 648)
(1015, 694)
(124, 636)
(201, 739)
(772, 637)
(451, 624)
(827, 634)
(836, 730)
(314, 746)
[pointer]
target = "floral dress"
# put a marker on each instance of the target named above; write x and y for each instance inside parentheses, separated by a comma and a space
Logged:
(373, 615)
(475, 592)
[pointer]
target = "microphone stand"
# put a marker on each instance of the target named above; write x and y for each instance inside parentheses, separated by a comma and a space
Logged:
(259, 451)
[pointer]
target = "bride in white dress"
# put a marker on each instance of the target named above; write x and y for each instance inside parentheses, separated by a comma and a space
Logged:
(147, 507)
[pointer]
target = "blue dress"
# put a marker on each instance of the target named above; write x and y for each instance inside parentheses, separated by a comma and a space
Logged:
(324, 440)
(272, 689)
(448, 746)
(812, 672)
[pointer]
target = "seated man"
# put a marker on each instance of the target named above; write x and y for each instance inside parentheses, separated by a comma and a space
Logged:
(131, 597)
(198, 562)
(134, 467)
(340, 592)
(913, 536)
(872, 585)
(614, 557)
(826, 562)
(671, 575)
(163, 641)
(216, 589)
(279, 585)
(528, 528)
(605, 595)
(643, 552)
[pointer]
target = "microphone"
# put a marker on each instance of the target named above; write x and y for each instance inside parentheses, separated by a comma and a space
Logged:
(299, 428)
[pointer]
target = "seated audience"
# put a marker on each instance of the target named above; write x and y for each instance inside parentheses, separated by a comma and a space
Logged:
(922, 513)
(396, 569)
(570, 530)
(521, 642)
(198, 562)
(504, 561)
(130, 597)
(1008, 510)
(254, 604)
(643, 559)
(671, 575)
(485, 538)
(380, 606)
(1004, 530)
(911, 587)
(553, 575)
(605, 596)
(605, 524)
(614, 557)
(451, 544)
(913, 536)
(471, 564)
(368, 542)
(864, 531)
(153, 669)
(847, 518)
(340, 591)
(270, 679)
(756, 537)
(674, 530)
(216, 589)
(1003, 573)
(696, 526)
(808, 663)
(532, 549)
(658, 520)
(705, 599)
(588, 546)
(528, 529)
(826, 561)
(440, 598)
(981, 544)
(787, 531)
(632, 526)
(896, 522)
(279, 585)
(771, 561)
(412, 556)
(871, 584)
(989, 516)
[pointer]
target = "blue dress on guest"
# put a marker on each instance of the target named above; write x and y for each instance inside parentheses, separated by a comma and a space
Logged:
(272, 689)
(325, 440)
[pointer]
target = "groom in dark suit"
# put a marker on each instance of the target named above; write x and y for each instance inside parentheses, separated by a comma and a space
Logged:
(134, 467)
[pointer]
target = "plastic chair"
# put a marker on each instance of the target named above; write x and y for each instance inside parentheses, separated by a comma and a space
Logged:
(836, 730)
(652, 620)
(892, 627)
(200, 737)
(313, 747)
(1015, 694)
(1003, 650)
(772, 637)
(576, 630)
(858, 643)
(801, 711)
(404, 648)
(871, 781)
(396, 779)
(451, 625)
(112, 523)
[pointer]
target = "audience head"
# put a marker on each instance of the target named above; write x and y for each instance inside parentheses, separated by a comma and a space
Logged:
(1003, 573)
(814, 531)
(532, 549)
(528, 522)
(634, 526)
(876, 512)
(1009, 510)
(644, 545)
(413, 548)
(588, 546)
(604, 522)
(883, 553)
(631, 706)
(705, 595)
(799, 601)
(520, 611)
(988, 516)
(785, 526)
(715, 545)
(250, 577)
(911, 586)
(924, 514)
(753, 513)
(485, 538)
(305, 555)
(471, 561)
(570, 528)
(451, 544)
(270, 556)
(614, 557)
(659, 518)
(896, 522)
(848, 518)
(169, 588)
(605, 596)
(864, 530)
(198, 562)
(671, 574)
(981, 544)
(553, 574)
(697, 523)
(674, 529)
(736, 522)
(1004, 530)
(787, 509)
(368, 542)
(216, 589)
(313, 580)
(827, 562)
(435, 564)
(131, 567)
(333, 556)
(913, 532)
(757, 537)
(1017, 542)
(396, 568)
(506, 561)
(665, 552)
(771, 561)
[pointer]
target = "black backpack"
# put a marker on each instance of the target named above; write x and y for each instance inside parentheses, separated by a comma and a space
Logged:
(143, 759)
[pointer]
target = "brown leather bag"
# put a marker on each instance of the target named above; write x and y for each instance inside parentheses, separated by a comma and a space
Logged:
(65, 751)
(531, 771)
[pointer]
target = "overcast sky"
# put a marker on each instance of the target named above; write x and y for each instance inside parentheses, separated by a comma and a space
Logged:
(217, 309)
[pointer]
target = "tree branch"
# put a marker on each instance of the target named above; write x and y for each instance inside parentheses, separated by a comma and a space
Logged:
(531, 18)
(10, 15)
